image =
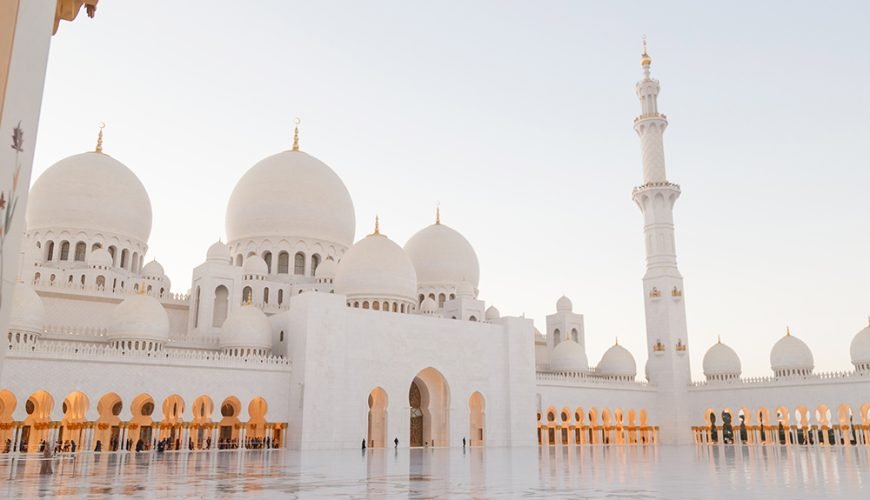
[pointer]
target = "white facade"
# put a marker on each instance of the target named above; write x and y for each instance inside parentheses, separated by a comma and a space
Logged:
(293, 334)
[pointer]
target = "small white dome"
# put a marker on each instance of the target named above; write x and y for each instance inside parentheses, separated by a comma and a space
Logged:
(568, 356)
(721, 361)
(428, 306)
(442, 256)
(90, 192)
(376, 267)
(28, 311)
(860, 347)
(617, 362)
(255, 265)
(791, 354)
(465, 289)
(153, 269)
(492, 313)
(326, 269)
(564, 304)
(100, 257)
(218, 252)
(139, 317)
(291, 195)
(246, 327)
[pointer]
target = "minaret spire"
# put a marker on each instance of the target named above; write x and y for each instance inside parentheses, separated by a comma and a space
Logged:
(666, 330)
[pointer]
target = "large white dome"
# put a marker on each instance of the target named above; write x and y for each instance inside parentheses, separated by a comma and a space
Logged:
(860, 347)
(90, 192)
(291, 195)
(721, 361)
(139, 317)
(376, 267)
(617, 362)
(28, 311)
(790, 355)
(247, 327)
(568, 356)
(443, 256)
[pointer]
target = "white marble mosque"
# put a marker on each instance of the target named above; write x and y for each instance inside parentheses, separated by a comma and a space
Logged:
(297, 333)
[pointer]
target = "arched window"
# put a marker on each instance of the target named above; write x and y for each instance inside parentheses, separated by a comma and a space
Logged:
(299, 264)
(472, 318)
(96, 246)
(125, 257)
(376, 305)
(557, 337)
(421, 299)
(283, 263)
(441, 299)
(280, 296)
(239, 260)
(81, 249)
(113, 252)
(267, 256)
(101, 281)
(49, 251)
(64, 250)
(452, 296)
(221, 303)
(247, 293)
(365, 305)
(265, 295)
(82, 280)
(574, 335)
(315, 261)
(395, 307)
(37, 277)
(281, 339)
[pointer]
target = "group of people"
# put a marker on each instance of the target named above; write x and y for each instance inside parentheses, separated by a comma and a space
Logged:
(396, 443)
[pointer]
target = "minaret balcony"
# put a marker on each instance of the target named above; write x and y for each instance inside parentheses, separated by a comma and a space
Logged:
(656, 185)
(651, 116)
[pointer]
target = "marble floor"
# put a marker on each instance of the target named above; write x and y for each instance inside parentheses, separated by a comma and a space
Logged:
(573, 472)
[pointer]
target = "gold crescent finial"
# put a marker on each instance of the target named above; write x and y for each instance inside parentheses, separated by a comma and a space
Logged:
(297, 121)
(645, 59)
(718, 339)
(617, 341)
(788, 331)
(99, 148)
(377, 226)
(438, 212)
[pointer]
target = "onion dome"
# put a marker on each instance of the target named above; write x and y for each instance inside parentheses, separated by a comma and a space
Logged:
(326, 270)
(28, 312)
(721, 363)
(218, 252)
(564, 305)
(246, 331)
(617, 363)
(860, 349)
(100, 258)
(153, 269)
(291, 195)
(569, 357)
(139, 318)
(492, 313)
(442, 256)
(255, 265)
(90, 192)
(376, 268)
(428, 306)
(791, 356)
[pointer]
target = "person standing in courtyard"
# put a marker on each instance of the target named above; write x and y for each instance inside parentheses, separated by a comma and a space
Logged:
(463, 442)
(396, 441)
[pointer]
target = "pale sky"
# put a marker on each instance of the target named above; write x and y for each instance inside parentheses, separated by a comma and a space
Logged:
(517, 117)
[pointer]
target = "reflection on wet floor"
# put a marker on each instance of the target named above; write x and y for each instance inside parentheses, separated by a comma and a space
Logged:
(557, 472)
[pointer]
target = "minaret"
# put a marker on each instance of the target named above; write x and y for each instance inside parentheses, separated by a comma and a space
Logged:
(667, 338)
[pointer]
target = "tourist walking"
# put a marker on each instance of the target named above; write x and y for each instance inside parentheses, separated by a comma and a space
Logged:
(463, 442)
(396, 441)
(363, 444)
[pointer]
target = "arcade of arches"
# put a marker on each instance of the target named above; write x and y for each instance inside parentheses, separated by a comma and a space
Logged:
(801, 426)
(594, 426)
(180, 425)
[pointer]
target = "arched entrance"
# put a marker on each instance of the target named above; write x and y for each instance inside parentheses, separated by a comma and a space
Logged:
(429, 398)
(477, 409)
(377, 419)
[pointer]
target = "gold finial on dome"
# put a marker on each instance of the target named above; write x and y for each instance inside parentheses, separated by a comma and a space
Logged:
(617, 341)
(99, 148)
(377, 226)
(438, 213)
(297, 121)
(718, 339)
(645, 59)
(787, 331)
